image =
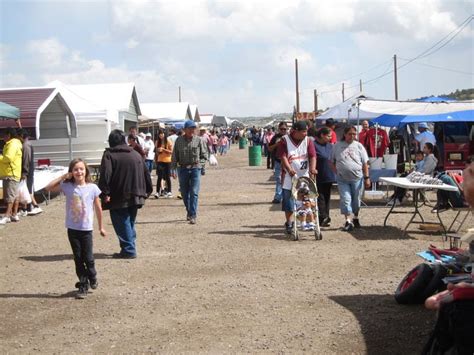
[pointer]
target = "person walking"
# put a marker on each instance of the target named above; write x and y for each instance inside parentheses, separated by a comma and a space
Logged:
(149, 151)
(126, 184)
(189, 155)
(266, 142)
(164, 148)
(349, 162)
(298, 158)
(326, 177)
(272, 148)
(10, 173)
(82, 199)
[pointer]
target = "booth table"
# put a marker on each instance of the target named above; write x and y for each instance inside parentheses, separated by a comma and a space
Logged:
(403, 182)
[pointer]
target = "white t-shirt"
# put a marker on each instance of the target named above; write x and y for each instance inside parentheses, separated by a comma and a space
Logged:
(149, 149)
(425, 137)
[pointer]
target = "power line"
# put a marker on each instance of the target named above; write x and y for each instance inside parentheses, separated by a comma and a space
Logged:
(424, 54)
(441, 68)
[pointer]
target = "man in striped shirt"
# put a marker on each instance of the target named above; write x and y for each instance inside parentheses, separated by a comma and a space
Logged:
(188, 158)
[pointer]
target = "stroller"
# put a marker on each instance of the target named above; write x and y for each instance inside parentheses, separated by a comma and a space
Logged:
(297, 184)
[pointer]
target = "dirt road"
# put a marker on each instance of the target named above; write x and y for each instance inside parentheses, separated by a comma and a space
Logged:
(232, 283)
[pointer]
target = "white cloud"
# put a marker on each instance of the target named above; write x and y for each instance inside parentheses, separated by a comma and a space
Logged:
(47, 52)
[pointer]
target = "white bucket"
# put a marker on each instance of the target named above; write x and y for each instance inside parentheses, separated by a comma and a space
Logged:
(375, 163)
(390, 161)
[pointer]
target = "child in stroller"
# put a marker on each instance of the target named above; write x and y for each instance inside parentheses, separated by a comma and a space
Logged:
(304, 209)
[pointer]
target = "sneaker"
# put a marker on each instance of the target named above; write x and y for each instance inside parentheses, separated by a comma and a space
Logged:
(15, 218)
(179, 197)
(5, 220)
(307, 227)
(123, 256)
(275, 201)
(169, 195)
(439, 208)
(310, 226)
(348, 227)
(289, 227)
(192, 220)
(356, 223)
(82, 293)
(93, 283)
(326, 222)
(156, 195)
(35, 211)
(163, 193)
(23, 213)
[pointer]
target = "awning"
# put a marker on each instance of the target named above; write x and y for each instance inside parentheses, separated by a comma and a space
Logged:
(8, 111)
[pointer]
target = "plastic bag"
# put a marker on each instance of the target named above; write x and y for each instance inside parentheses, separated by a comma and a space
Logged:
(213, 160)
(23, 193)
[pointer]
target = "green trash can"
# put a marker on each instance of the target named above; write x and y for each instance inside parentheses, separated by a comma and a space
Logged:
(243, 143)
(255, 155)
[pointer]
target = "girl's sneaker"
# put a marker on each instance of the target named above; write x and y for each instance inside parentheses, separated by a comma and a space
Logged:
(93, 283)
(310, 226)
(82, 293)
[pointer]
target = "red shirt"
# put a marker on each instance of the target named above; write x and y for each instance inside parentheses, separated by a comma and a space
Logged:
(383, 142)
(333, 136)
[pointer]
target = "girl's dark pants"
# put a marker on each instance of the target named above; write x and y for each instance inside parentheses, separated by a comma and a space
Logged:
(81, 244)
(324, 199)
(164, 173)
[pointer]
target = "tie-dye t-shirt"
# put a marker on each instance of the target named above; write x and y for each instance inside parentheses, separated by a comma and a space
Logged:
(80, 205)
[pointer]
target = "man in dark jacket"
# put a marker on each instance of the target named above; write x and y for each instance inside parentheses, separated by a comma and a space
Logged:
(125, 183)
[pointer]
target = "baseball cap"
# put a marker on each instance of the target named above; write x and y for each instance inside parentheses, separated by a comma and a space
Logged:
(422, 125)
(300, 126)
(148, 134)
(190, 124)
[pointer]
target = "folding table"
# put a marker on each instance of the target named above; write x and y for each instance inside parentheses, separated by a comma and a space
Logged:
(403, 182)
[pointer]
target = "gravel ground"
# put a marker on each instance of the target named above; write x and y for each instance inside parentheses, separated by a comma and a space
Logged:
(230, 284)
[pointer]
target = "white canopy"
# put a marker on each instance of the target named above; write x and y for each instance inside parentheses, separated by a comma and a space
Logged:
(221, 121)
(206, 118)
(380, 107)
(167, 111)
(348, 110)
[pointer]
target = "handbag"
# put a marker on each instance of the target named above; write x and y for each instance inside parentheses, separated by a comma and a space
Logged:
(213, 160)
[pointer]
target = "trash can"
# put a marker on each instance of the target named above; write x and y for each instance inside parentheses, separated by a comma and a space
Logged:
(255, 155)
(243, 143)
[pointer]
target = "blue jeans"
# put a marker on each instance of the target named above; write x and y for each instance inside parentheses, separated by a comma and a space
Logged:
(149, 164)
(278, 190)
(189, 182)
(350, 192)
(123, 220)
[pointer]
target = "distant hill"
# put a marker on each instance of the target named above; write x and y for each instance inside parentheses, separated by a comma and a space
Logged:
(261, 121)
(460, 95)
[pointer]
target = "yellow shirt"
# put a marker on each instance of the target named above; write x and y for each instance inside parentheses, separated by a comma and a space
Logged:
(10, 161)
(165, 157)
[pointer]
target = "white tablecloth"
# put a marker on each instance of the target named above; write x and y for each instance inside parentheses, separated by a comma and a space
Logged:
(44, 176)
(406, 184)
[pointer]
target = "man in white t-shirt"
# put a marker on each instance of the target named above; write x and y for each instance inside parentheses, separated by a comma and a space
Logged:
(425, 136)
(149, 151)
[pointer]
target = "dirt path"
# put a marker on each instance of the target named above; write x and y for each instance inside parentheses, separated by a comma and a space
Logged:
(231, 283)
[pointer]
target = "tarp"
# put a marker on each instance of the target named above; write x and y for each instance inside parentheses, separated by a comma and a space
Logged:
(396, 120)
(405, 108)
(8, 111)
(348, 110)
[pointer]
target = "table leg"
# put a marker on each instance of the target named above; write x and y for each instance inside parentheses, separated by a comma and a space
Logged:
(416, 212)
(388, 214)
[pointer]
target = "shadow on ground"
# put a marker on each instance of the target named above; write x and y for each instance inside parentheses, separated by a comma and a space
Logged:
(70, 294)
(261, 231)
(389, 328)
(60, 257)
(379, 233)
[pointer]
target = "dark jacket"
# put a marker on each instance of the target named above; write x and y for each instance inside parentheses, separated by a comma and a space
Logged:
(124, 177)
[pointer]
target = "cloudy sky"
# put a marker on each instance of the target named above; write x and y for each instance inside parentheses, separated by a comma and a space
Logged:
(236, 58)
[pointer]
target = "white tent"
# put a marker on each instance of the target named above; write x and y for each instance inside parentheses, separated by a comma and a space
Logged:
(167, 111)
(379, 107)
(348, 110)
(196, 117)
(206, 119)
(221, 121)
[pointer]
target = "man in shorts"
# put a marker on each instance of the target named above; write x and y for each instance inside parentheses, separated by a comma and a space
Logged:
(298, 158)
(10, 173)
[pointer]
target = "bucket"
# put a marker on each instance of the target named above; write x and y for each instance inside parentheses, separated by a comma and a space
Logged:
(243, 143)
(255, 155)
(375, 163)
(390, 161)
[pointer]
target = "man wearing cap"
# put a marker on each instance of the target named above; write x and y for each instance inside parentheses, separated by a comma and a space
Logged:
(425, 136)
(298, 158)
(189, 155)
(149, 151)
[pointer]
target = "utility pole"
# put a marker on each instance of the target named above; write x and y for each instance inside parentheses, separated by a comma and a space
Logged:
(360, 85)
(297, 89)
(395, 76)
(179, 93)
(342, 92)
(315, 101)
